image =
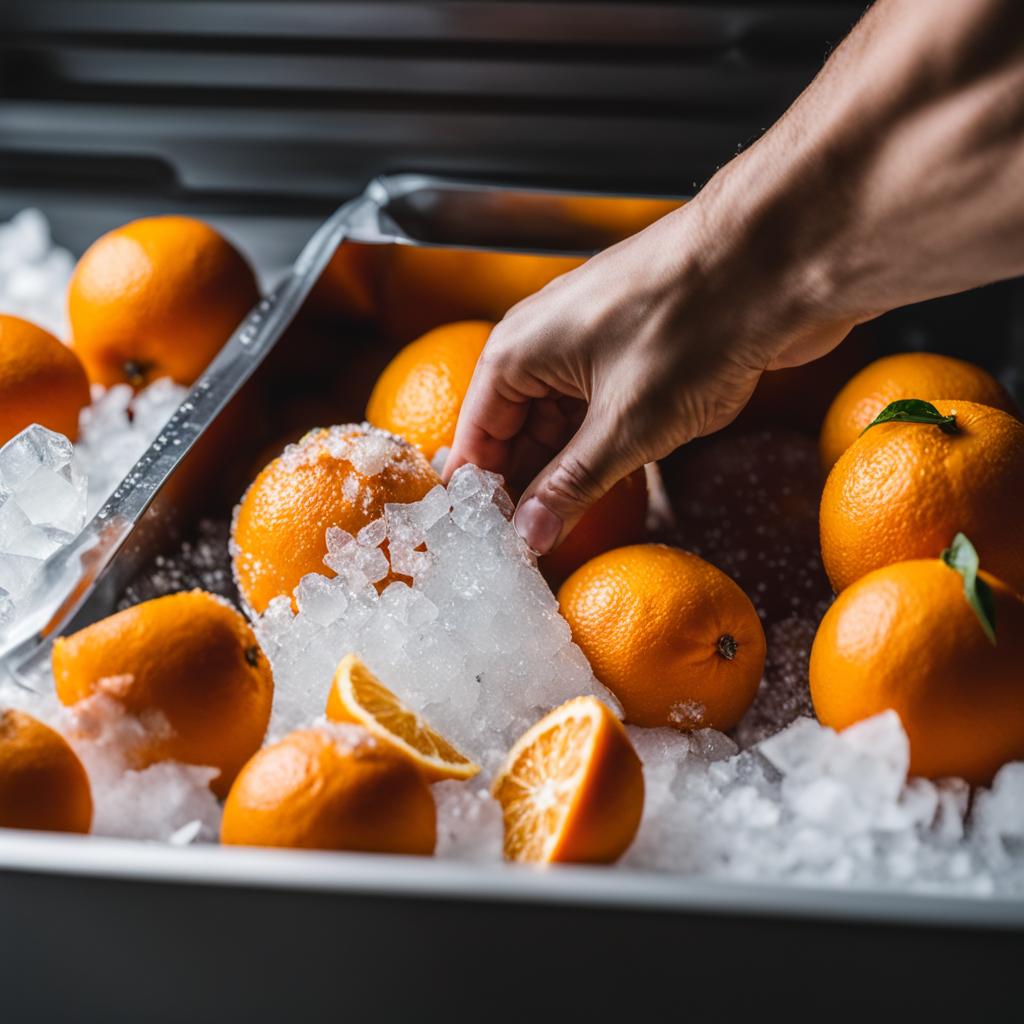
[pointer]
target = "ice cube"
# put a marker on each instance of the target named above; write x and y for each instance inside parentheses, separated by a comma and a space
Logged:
(42, 507)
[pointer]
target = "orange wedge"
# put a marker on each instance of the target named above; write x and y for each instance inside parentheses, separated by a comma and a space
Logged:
(572, 789)
(358, 696)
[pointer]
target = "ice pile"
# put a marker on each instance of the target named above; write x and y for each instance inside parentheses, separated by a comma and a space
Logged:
(34, 273)
(166, 802)
(42, 507)
(811, 805)
(475, 644)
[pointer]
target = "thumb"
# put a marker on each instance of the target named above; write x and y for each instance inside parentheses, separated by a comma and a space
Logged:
(589, 465)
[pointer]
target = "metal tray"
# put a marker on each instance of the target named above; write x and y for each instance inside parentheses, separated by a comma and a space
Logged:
(111, 930)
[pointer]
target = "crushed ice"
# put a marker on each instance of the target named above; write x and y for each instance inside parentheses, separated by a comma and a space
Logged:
(475, 643)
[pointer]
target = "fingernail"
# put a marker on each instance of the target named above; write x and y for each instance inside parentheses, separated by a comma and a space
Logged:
(537, 525)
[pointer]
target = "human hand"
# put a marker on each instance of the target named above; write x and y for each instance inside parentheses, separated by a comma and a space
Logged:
(650, 344)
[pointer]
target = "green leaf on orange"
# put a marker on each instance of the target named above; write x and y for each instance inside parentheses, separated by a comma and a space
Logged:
(962, 557)
(914, 410)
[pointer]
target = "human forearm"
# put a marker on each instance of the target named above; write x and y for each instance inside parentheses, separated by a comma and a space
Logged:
(899, 173)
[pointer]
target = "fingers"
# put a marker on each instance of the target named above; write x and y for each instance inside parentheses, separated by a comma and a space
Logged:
(589, 465)
(494, 412)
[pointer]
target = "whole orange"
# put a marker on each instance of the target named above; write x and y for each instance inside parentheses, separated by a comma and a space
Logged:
(904, 638)
(420, 392)
(670, 635)
(41, 381)
(343, 477)
(331, 788)
(157, 297)
(925, 375)
(189, 657)
(42, 783)
(614, 520)
(903, 489)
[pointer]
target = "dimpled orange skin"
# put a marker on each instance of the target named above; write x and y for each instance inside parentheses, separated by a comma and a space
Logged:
(311, 791)
(157, 297)
(904, 489)
(925, 375)
(189, 656)
(42, 783)
(280, 527)
(905, 638)
(41, 381)
(420, 392)
(614, 520)
(650, 619)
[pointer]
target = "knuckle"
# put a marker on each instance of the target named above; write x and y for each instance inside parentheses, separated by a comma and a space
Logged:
(573, 481)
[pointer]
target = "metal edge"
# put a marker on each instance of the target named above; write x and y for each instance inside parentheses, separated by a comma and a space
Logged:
(573, 886)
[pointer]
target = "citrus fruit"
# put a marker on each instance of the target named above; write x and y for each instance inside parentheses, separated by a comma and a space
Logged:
(904, 488)
(157, 297)
(331, 788)
(572, 788)
(341, 476)
(42, 783)
(420, 392)
(670, 635)
(359, 697)
(617, 518)
(904, 637)
(41, 381)
(188, 657)
(924, 375)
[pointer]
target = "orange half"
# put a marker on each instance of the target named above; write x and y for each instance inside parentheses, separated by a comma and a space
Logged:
(358, 696)
(572, 788)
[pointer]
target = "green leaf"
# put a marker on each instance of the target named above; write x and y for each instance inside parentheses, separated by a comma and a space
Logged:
(962, 557)
(913, 410)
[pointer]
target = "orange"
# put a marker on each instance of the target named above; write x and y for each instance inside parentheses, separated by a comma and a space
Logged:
(157, 297)
(904, 638)
(359, 697)
(420, 392)
(422, 287)
(907, 375)
(190, 658)
(42, 783)
(903, 489)
(572, 788)
(614, 520)
(670, 635)
(41, 381)
(342, 476)
(331, 788)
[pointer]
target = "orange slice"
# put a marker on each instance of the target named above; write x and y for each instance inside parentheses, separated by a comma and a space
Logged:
(357, 695)
(572, 788)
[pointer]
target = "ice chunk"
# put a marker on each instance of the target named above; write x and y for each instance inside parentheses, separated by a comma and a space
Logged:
(42, 507)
